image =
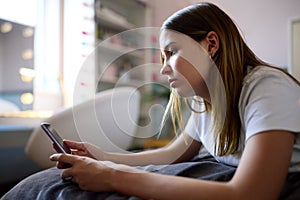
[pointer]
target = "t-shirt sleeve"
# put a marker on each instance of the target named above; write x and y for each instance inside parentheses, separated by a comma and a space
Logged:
(272, 103)
(192, 127)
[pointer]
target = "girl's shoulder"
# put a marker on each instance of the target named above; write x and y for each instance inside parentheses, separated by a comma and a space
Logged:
(268, 74)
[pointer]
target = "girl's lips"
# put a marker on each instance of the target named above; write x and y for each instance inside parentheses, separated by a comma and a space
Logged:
(172, 81)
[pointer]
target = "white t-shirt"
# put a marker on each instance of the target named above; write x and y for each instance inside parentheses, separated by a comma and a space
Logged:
(270, 100)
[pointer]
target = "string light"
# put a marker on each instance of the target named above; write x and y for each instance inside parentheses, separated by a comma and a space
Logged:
(6, 27)
(27, 54)
(27, 32)
(27, 74)
(27, 98)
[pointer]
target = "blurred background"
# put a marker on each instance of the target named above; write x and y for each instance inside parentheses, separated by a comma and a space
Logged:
(50, 59)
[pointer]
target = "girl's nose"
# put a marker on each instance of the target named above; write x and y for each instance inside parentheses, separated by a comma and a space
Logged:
(166, 69)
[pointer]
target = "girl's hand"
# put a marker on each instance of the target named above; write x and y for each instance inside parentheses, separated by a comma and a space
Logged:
(88, 173)
(85, 149)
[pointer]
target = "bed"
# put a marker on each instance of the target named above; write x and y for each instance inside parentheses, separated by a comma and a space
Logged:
(48, 184)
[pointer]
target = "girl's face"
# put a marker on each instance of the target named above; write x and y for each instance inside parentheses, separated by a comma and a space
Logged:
(185, 63)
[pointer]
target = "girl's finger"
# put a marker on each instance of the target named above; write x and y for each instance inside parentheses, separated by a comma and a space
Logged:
(74, 145)
(61, 165)
(65, 158)
(67, 174)
(78, 153)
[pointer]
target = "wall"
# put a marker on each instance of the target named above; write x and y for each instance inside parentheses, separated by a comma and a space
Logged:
(295, 58)
(264, 23)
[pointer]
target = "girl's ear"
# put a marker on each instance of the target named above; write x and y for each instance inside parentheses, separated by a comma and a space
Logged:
(212, 39)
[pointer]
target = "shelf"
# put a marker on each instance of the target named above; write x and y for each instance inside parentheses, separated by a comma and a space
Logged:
(120, 14)
(104, 20)
(116, 49)
(131, 82)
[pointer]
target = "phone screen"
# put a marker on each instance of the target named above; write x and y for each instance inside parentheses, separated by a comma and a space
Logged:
(56, 139)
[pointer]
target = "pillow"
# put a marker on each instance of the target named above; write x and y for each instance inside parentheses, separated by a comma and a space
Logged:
(7, 106)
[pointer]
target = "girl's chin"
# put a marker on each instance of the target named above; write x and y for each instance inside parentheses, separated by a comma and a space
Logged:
(184, 93)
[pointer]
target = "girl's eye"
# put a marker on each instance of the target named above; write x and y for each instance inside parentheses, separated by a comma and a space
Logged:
(171, 52)
(166, 54)
(162, 58)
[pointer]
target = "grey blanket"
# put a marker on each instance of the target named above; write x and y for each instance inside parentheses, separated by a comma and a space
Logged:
(48, 184)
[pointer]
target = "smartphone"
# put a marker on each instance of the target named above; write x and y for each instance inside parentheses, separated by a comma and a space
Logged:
(56, 139)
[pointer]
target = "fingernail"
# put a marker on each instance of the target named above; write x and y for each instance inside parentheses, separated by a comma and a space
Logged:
(53, 156)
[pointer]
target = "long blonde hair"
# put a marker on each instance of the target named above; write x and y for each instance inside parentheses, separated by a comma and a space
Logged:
(232, 59)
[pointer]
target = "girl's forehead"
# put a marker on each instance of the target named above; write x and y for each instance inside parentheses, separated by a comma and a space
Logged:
(168, 36)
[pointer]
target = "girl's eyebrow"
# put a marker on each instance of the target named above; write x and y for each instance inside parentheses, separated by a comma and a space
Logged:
(168, 45)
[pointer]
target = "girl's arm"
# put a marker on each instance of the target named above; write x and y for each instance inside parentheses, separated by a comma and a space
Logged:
(260, 175)
(181, 149)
